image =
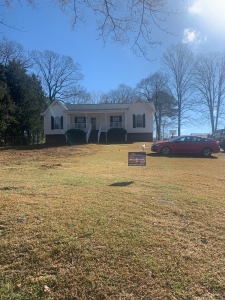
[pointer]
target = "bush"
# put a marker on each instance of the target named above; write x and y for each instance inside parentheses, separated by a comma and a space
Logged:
(115, 135)
(75, 136)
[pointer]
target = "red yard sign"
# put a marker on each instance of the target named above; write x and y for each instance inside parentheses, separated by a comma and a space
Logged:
(136, 158)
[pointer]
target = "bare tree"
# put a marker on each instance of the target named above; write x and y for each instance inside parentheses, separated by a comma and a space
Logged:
(99, 97)
(10, 50)
(4, 23)
(123, 94)
(166, 110)
(209, 74)
(78, 95)
(178, 63)
(8, 4)
(144, 89)
(59, 73)
(125, 22)
(155, 88)
(162, 98)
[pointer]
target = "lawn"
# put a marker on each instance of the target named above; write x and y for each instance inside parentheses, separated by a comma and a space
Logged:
(76, 222)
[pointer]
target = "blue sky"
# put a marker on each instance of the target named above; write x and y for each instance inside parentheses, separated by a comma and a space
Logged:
(106, 66)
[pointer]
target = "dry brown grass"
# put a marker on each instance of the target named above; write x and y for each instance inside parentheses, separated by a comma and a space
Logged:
(78, 223)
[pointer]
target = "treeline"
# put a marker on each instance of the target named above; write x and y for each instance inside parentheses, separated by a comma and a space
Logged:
(188, 89)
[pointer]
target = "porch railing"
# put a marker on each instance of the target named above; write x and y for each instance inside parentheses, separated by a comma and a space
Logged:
(108, 125)
(116, 124)
(99, 132)
(104, 127)
(82, 126)
(88, 133)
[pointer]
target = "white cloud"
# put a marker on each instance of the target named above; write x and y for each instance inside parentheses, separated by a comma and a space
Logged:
(211, 12)
(197, 8)
(191, 36)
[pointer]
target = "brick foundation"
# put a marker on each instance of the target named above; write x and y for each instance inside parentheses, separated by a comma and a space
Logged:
(60, 139)
(56, 139)
(139, 137)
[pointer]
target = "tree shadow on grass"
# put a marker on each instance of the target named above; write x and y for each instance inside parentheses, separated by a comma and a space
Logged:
(125, 183)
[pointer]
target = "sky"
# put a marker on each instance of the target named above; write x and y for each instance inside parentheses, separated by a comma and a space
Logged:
(104, 67)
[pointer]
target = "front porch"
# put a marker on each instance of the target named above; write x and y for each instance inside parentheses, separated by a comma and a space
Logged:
(94, 130)
(96, 124)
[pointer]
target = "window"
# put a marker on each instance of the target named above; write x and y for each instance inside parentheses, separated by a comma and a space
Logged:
(57, 122)
(115, 118)
(115, 121)
(80, 119)
(196, 139)
(181, 139)
(187, 139)
(139, 121)
(190, 139)
(80, 122)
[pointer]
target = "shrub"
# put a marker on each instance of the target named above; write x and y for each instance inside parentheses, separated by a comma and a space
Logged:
(115, 135)
(76, 136)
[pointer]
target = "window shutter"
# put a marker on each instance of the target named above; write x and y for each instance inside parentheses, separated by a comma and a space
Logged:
(52, 123)
(84, 122)
(111, 119)
(120, 118)
(61, 122)
(134, 121)
(75, 120)
(143, 120)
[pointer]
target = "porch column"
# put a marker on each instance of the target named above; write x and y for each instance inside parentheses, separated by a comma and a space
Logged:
(66, 126)
(105, 128)
(86, 122)
(125, 123)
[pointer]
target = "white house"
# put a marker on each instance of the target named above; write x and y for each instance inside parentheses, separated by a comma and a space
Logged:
(136, 118)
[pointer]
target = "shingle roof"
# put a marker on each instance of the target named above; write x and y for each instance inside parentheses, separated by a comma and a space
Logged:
(100, 106)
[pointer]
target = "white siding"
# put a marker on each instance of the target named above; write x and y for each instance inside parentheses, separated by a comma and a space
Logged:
(55, 110)
(140, 108)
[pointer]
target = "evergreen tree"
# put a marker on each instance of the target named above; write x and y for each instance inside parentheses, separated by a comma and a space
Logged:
(6, 104)
(28, 97)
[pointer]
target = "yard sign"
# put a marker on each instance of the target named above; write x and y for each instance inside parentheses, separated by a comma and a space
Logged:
(136, 158)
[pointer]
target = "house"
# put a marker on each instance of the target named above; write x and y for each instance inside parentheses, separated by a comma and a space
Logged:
(97, 119)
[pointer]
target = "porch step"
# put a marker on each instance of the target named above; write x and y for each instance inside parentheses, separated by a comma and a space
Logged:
(93, 138)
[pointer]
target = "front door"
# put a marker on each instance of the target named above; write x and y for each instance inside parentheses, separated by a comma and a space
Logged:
(93, 123)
